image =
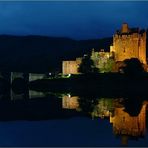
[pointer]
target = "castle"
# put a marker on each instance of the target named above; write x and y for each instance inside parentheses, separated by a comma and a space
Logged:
(127, 43)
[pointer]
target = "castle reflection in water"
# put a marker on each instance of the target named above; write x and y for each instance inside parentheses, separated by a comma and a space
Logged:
(124, 125)
(128, 122)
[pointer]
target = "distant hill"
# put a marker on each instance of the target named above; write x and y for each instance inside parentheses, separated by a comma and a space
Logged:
(42, 53)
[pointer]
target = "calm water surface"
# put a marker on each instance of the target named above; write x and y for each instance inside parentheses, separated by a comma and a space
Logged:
(44, 119)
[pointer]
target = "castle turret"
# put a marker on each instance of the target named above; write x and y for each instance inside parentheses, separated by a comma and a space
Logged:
(124, 28)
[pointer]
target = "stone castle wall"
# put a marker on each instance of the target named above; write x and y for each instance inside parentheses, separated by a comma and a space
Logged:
(129, 43)
(69, 67)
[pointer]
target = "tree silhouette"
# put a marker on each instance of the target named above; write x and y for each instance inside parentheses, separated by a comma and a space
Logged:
(133, 67)
(87, 66)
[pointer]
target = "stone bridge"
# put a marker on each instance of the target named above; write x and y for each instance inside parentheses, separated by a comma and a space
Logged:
(27, 77)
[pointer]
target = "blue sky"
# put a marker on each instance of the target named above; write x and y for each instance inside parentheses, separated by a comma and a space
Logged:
(73, 19)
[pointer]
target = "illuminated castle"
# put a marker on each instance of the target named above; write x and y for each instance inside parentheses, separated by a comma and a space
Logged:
(129, 43)
(71, 67)
(102, 60)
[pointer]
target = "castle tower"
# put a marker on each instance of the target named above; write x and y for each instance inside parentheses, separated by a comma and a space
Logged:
(129, 43)
(124, 28)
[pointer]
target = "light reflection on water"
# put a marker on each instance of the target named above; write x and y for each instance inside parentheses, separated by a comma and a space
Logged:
(126, 120)
(124, 125)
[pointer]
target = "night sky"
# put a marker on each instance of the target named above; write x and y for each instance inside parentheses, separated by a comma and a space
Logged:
(73, 19)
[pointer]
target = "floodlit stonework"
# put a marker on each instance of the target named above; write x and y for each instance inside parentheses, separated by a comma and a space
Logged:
(71, 67)
(129, 43)
(102, 60)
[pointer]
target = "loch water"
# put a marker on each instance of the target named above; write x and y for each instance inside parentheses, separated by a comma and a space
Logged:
(53, 119)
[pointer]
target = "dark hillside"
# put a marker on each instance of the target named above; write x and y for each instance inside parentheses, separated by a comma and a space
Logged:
(41, 53)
